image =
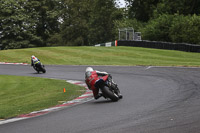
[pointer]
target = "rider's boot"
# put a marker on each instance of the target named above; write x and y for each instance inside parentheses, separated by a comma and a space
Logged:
(98, 96)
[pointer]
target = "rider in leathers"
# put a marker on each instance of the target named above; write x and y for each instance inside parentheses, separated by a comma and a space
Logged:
(91, 77)
(34, 61)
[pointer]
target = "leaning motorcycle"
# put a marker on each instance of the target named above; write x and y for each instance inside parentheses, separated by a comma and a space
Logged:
(108, 88)
(39, 67)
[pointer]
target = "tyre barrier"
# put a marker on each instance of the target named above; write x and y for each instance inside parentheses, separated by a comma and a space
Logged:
(161, 45)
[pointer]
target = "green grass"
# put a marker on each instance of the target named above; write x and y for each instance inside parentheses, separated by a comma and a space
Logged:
(20, 95)
(130, 56)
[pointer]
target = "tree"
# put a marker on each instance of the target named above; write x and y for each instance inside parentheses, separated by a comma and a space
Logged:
(76, 18)
(17, 28)
(26, 23)
(103, 15)
(184, 7)
(48, 14)
(141, 10)
(29, 23)
(88, 22)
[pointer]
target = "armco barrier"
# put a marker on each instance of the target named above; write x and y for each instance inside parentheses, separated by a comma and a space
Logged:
(161, 45)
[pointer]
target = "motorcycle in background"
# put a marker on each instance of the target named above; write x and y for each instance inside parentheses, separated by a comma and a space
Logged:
(39, 67)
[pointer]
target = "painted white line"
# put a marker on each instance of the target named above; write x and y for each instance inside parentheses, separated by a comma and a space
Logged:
(50, 109)
(87, 94)
(9, 63)
(11, 120)
(72, 81)
(148, 67)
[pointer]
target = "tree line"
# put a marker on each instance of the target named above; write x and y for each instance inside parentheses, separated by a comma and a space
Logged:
(37, 23)
(167, 20)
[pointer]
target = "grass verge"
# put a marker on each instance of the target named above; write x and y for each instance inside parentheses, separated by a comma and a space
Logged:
(20, 95)
(129, 56)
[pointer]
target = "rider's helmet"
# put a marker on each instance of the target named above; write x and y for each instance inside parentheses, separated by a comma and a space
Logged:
(89, 69)
(88, 72)
(33, 57)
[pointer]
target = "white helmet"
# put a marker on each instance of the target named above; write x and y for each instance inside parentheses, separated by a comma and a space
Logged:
(33, 57)
(89, 69)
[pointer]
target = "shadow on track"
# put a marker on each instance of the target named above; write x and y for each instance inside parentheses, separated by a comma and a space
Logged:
(103, 101)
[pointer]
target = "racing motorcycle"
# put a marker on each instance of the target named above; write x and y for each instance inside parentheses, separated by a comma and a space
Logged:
(108, 88)
(39, 67)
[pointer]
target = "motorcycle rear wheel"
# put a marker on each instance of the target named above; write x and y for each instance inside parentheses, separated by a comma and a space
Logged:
(108, 93)
(43, 70)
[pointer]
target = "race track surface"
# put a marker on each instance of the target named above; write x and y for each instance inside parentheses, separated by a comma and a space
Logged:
(156, 100)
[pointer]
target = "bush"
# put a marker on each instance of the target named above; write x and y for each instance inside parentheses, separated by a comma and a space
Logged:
(186, 29)
(158, 29)
(173, 28)
(54, 40)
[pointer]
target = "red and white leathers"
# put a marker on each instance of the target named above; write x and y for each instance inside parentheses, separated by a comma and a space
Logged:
(91, 77)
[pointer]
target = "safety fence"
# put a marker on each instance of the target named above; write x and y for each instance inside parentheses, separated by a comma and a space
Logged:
(153, 44)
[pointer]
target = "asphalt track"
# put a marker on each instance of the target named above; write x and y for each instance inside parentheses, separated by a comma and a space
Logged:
(156, 100)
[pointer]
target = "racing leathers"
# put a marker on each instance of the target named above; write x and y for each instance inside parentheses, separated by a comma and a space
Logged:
(91, 77)
(34, 61)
